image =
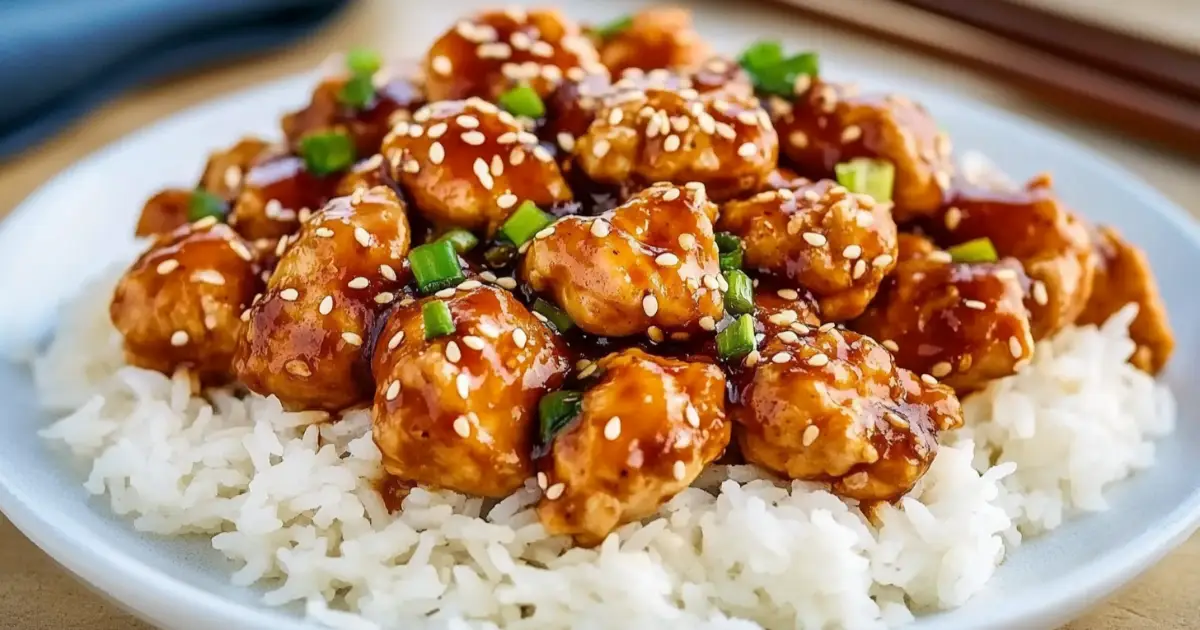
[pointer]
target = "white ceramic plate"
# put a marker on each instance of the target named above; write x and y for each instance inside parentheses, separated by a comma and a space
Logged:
(74, 225)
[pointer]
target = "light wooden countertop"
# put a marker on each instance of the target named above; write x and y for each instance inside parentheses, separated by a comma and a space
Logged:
(36, 593)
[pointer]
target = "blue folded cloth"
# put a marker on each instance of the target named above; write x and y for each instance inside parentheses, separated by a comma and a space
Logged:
(60, 58)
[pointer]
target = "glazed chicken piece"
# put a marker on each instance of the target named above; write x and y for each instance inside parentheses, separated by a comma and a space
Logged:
(831, 406)
(657, 37)
(179, 304)
(1035, 227)
(306, 338)
(829, 123)
(1123, 276)
(226, 170)
(394, 99)
(784, 309)
(469, 164)
(648, 267)
(165, 212)
(965, 324)
(489, 53)
(222, 177)
(645, 431)
(459, 411)
(837, 244)
(366, 174)
(278, 193)
(721, 140)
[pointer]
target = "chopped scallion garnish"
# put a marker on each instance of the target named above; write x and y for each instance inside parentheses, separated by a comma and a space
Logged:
(363, 61)
(866, 176)
(524, 223)
(737, 340)
(611, 29)
(462, 240)
(739, 299)
(556, 410)
(523, 101)
(556, 316)
(499, 255)
(327, 152)
(205, 204)
(771, 72)
(436, 317)
(978, 250)
(357, 92)
(729, 247)
(435, 266)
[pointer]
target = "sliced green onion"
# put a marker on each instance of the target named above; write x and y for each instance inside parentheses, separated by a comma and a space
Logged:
(436, 317)
(435, 266)
(737, 340)
(357, 92)
(729, 247)
(205, 204)
(523, 101)
(363, 61)
(524, 223)
(556, 316)
(556, 410)
(866, 176)
(327, 152)
(739, 298)
(499, 255)
(462, 240)
(771, 72)
(609, 30)
(978, 250)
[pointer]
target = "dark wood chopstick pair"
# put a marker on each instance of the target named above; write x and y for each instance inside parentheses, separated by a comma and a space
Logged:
(1150, 90)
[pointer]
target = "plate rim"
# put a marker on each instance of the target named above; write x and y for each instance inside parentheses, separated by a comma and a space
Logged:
(105, 568)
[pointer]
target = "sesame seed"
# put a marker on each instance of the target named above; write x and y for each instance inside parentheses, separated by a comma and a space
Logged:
(600, 228)
(1039, 293)
(497, 166)
(814, 239)
(544, 232)
(179, 338)
(542, 154)
(352, 338)
(520, 338)
(810, 434)
(671, 143)
(726, 131)
(600, 148)
(800, 328)
(692, 416)
(393, 391)
(542, 49)
(818, 360)
(615, 116)
(953, 218)
(679, 469)
(442, 65)
(445, 293)
(798, 139)
(411, 167)
(781, 357)
(437, 153)
(710, 282)
(542, 480)
(1006, 274)
(860, 268)
(323, 232)
(612, 428)
(788, 336)
(650, 305)
(655, 334)
(687, 241)
(940, 369)
(394, 342)
(462, 427)
(462, 383)
(895, 420)
(493, 50)
(507, 282)
(453, 353)
(928, 379)
(939, 256)
(1014, 347)
(385, 297)
(708, 323)
(855, 481)
(473, 342)
(241, 251)
(788, 294)
(752, 359)
(555, 491)
(974, 305)
(387, 272)
(747, 149)
(362, 236)
(437, 130)
(882, 260)
(326, 306)
(890, 345)
(784, 317)
(667, 260)
(852, 252)
(722, 284)
(826, 327)
(671, 195)
(415, 131)
(851, 133)
(358, 282)
(516, 156)
(943, 179)
(167, 266)
(467, 122)
(289, 295)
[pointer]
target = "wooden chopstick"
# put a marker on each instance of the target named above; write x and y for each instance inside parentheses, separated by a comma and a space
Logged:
(1136, 108)
(1138, 59)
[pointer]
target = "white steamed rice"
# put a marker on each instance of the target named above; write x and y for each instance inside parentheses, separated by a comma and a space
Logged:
(293, 501)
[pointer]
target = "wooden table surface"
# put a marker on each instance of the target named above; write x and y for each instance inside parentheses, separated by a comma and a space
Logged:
(36, 593)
